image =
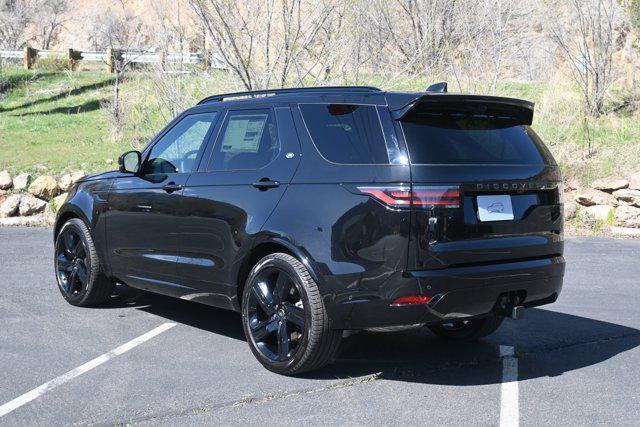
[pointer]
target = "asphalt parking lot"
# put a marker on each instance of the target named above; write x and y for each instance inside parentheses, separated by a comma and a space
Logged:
(575, 362)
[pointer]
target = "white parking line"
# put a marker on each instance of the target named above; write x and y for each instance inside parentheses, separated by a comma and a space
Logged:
(49, 385)
(509, 406)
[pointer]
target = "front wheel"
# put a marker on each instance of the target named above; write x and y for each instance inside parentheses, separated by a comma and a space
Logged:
(78, 271)
(467, 329)
(284, 318)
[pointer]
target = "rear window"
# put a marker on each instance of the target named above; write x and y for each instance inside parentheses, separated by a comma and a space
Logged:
(345, 133)
(465, 139)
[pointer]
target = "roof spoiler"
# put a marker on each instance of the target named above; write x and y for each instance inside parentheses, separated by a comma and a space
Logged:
(440, 87)
(519, 110)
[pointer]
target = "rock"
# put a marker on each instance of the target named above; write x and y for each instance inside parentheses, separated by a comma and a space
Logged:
(569, 210)
(628, 197)
(598, 213)
(628, 216)
(5, 180)
(69, 179)
(59, 200)
(10, 206)
(44, 187)
(571, 184)
(610, 184)
(26, 221)
(29, 205)
(109, 161)
(625, 231)
(634, 181)
(2, 197)
(21, 181)
(48, 214)
(590, 197)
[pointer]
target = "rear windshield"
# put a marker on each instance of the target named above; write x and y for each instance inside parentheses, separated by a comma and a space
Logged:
(465, 139)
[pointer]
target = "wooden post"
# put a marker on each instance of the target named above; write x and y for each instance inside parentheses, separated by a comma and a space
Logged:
(70, 58)
(162, 56)
(110, 61)
(113, 56)
(30, 54)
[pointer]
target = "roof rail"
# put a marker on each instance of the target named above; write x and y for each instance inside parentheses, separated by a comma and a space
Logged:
(254, 93)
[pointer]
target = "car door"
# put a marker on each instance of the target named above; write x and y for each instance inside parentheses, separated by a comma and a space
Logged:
(229, 199)
(141, 227)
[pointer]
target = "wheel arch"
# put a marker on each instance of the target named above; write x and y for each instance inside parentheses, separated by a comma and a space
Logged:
(263, 248)
(65, 215)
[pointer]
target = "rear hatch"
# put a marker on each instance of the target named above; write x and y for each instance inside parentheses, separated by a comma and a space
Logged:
(484, 187)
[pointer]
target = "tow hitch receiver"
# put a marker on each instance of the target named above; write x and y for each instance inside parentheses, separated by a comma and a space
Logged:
(509, 305)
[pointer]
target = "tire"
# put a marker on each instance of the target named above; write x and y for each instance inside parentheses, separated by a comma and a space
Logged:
(468, 330)
(280, 299)
(77, 266)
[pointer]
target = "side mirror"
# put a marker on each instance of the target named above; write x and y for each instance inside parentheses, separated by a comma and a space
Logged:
(129, 162)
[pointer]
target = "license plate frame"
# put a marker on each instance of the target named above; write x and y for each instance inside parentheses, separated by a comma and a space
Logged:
(496, 207)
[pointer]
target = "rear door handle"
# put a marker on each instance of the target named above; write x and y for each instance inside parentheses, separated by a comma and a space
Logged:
(266, 183)
(171, 187)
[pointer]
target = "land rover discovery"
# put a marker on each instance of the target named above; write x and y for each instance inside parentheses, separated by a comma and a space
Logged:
(318, 210)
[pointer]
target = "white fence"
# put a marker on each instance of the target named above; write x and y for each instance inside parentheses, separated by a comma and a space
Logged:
(30, 55)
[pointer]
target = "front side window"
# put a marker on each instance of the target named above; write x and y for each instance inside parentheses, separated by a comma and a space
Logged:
(248, 140)
(345, 133)
(177, 150)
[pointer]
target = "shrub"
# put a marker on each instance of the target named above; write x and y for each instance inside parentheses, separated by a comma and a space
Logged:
(55, 63)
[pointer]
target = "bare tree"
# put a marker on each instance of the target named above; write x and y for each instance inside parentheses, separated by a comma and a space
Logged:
(170, 78)
(15, 16)
(420, 31)
(122, 33)
(264, 43)
(50, 17)
(588, 44)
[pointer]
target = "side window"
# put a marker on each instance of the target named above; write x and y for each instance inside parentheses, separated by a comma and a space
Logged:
(344, 133)
(177, 150)
(248, 140)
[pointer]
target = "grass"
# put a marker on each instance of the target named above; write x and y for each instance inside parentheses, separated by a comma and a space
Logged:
(54, 119)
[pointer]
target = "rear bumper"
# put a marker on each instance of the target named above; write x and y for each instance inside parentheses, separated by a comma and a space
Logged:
(461, 292)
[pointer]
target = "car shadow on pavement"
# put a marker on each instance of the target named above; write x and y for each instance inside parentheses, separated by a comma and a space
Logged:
(211, 319)
(547, 343)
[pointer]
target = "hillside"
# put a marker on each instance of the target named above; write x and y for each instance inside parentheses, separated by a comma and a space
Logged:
(54, 119)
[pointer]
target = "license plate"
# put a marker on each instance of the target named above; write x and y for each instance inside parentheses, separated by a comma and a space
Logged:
(495, 208)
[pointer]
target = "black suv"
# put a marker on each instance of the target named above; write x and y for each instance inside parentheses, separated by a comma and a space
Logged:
(318, 210)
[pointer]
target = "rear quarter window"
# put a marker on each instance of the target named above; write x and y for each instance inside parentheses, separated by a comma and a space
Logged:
(346, 133)
(451, 139)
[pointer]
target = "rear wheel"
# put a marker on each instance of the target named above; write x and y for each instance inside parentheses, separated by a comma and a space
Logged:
(467, 329)
(78, 273)
(284, 318)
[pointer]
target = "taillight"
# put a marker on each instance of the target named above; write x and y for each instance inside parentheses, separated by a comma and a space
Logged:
(448, 197)
(421, 196)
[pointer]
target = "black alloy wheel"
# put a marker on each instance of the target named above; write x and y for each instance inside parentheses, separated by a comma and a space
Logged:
(276, 314)
(77, 266)
(284, 318)
(72, 263)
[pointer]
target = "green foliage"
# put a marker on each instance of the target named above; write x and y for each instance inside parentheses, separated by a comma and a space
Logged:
(53, 63)
(611, 218)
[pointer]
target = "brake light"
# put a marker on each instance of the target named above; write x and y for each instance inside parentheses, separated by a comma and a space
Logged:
(411, 300)
(421, 196)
